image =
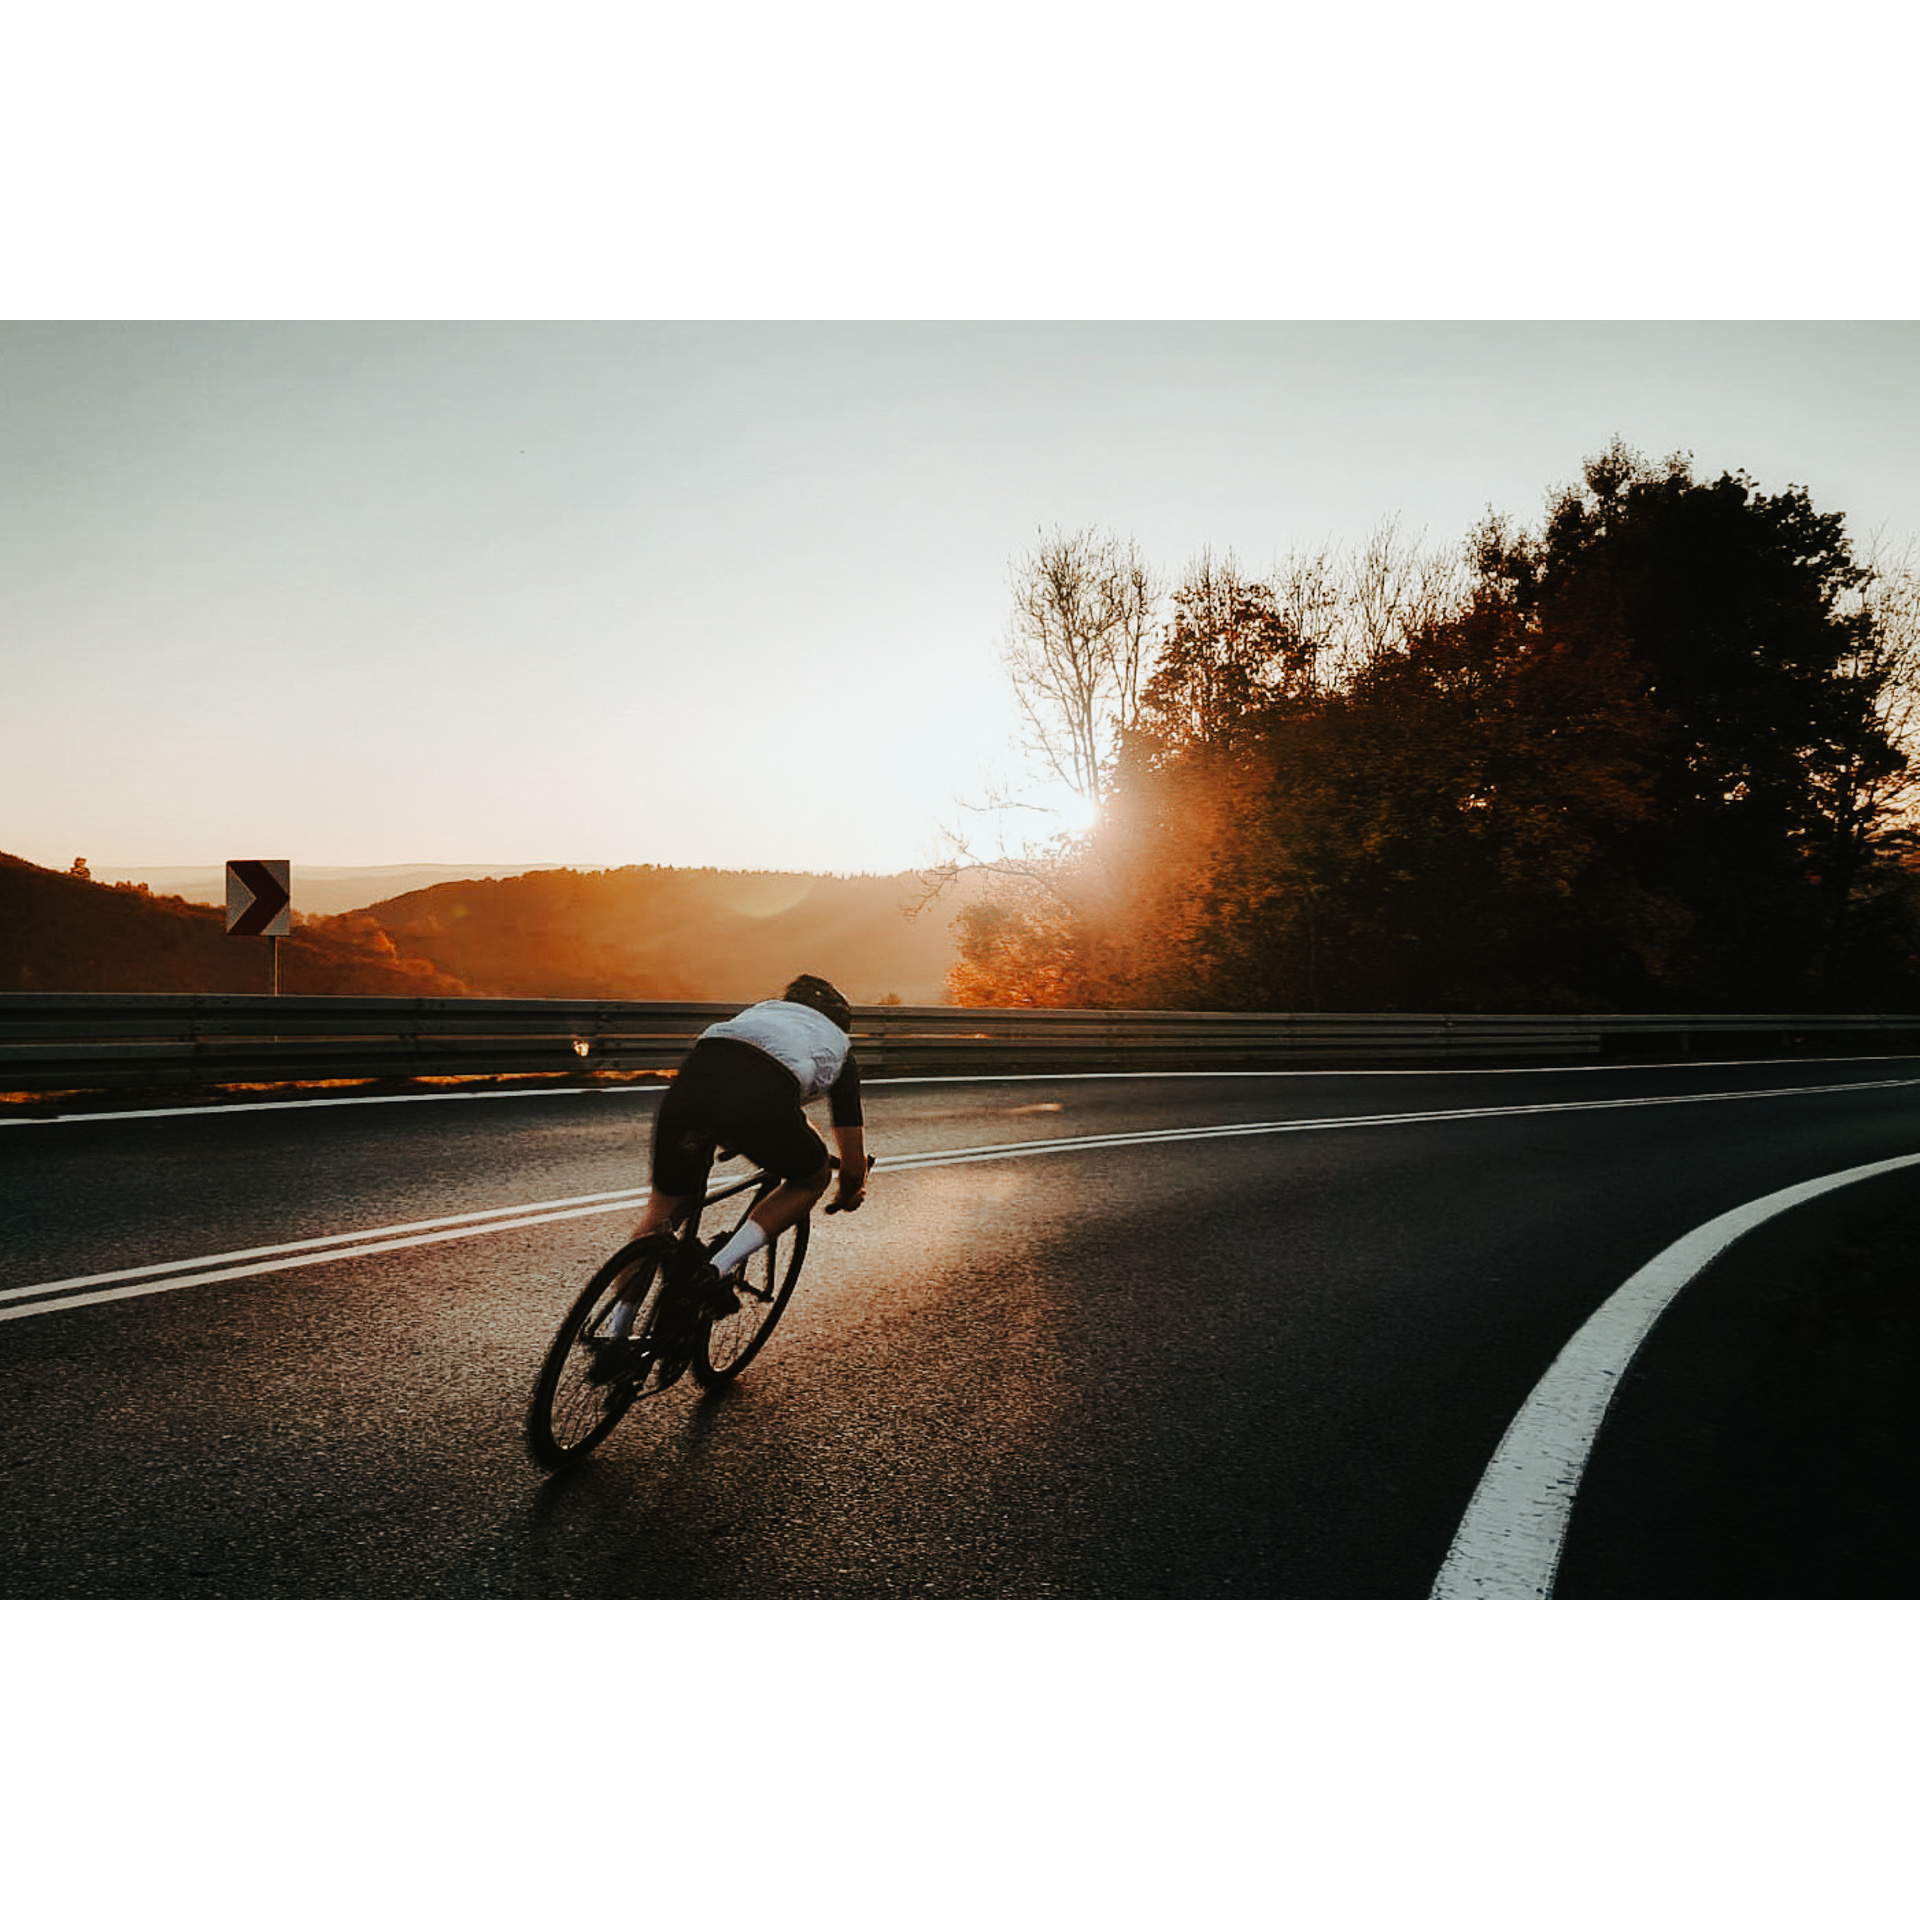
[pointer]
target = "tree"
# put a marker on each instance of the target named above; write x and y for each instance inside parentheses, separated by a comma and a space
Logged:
(1471, 787)
(1657, 753)
(1743, 612)
(1016, 950)
(1211, 885)
(1867, 845)
(1083, 612)
(1075, 651)
(1227, 652)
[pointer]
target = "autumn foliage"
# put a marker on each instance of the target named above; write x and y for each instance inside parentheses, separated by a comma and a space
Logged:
(1649, 756)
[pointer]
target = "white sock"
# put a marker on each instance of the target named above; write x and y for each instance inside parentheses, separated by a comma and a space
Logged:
(743, 1246)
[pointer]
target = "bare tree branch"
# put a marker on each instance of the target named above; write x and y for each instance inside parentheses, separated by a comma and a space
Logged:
(1076, 651)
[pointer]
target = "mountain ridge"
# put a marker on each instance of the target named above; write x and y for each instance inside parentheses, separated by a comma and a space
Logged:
(625, 933)
(317, 890)
(669, 933)
(68, 933)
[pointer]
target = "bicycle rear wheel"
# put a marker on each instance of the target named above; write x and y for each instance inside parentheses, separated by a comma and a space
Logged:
(572, 1412)
(763, 1285)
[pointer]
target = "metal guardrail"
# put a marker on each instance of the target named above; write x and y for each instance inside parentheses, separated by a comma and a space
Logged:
(108, 1041)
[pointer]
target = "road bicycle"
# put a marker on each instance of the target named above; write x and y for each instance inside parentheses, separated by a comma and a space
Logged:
(582, 1393)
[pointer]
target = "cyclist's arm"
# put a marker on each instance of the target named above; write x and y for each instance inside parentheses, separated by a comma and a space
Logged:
(849, 1136)
(850, 1143)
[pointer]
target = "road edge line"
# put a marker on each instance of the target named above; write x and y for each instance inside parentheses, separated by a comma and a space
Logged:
(1509, 1541)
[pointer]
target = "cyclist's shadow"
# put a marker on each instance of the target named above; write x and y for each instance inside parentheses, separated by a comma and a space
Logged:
(606, 1475)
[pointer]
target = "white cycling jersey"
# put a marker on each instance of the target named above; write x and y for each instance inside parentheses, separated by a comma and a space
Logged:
(802, 1039)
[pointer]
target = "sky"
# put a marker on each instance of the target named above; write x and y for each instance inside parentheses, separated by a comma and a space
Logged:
(731, 594)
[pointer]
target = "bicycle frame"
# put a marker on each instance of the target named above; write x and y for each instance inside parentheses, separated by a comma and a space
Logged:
(734, 1183)
(574, 1408)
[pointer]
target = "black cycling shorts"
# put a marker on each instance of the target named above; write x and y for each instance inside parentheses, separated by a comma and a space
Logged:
(730, 1094)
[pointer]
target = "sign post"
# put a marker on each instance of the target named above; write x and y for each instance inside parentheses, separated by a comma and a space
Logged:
(260, 900)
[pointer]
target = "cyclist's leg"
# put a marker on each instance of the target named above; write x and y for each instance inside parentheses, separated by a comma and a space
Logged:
(681, 1153)
(731, 1093)
(784, 1143)
(586, 1382)
(786, 1206)
(761, 1286)
(663, 1317)
(658, 1215)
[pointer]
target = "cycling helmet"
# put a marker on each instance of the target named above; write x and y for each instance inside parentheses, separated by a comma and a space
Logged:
(823, 997)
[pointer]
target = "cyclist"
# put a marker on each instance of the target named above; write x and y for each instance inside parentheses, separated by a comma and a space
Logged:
(746, 1084)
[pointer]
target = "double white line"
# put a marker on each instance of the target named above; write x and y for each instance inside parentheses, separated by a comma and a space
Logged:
(167, 1276)
(1080, 1143)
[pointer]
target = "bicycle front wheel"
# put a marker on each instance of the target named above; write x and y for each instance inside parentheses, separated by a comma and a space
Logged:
(572, 1411)
(763, 1285)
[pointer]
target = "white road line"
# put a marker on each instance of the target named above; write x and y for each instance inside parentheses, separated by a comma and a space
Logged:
(628, 1195)
(930, 1080)
(1080, 1143)
(347, 1246)
(302, 1260)
(323, 1100)
(1510, 1539)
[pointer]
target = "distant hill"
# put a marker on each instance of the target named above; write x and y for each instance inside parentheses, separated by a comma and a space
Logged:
(315, 889)
(63, 934)
(631, 933)
(668, 933)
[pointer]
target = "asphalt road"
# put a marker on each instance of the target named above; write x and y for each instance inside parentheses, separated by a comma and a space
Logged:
(1218, 1362)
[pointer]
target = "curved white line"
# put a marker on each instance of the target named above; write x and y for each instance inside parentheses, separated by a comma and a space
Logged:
(1509, 1540)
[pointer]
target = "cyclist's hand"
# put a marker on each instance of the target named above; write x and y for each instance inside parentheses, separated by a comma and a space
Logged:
(850, 1198)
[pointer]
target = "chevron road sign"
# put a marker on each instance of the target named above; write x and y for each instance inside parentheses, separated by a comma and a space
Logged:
(260, 897)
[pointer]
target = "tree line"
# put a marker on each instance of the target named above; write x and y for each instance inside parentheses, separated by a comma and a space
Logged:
(1653, 753)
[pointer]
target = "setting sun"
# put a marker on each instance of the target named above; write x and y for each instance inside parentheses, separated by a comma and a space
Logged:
(1076, 813)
